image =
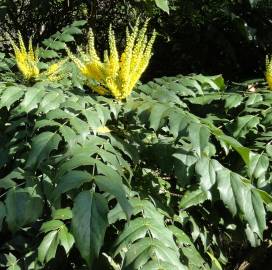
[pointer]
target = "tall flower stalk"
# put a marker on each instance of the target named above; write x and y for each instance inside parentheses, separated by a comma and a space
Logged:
(116, 75)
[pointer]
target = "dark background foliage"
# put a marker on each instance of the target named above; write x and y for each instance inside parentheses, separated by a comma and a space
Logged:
(230, 37)
(207, 36)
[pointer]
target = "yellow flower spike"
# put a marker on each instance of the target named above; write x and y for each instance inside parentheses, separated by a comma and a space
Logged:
(148, 52)
(91, 47)
(113, 87)
(26, 60)
(142, 59)
(140, 45)
(151, 42)
(127, 54)
(139, 55)
(22, 45)
(116, 75)
(138, 68)
(113, 57)
(53, 68)
(268, 72)
(31, 53)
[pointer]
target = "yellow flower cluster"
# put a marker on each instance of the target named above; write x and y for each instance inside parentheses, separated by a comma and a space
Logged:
(114, 75)
(268, 72)
(27, 61)
(53, 71)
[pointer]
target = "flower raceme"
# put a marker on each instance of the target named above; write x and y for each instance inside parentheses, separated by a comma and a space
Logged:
(268, 72)
(116, 75)
(27, 61)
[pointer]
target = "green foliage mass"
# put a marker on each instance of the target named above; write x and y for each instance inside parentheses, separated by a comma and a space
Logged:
(175, 177)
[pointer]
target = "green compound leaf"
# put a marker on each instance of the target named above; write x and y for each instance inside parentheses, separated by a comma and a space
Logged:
(57, 234)
(240, 198)
(66, 239)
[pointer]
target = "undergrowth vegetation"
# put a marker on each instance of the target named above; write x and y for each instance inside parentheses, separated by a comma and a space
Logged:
(175, 176)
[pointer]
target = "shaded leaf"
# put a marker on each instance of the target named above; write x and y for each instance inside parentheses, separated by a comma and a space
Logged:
(71, 180)
(111, 182)
(23, 206)
(195, 260)
(41, 147)
(140, 252)
(89, 224)
(241, 198)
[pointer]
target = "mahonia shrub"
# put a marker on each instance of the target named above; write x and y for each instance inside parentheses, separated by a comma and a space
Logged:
(175, 177)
